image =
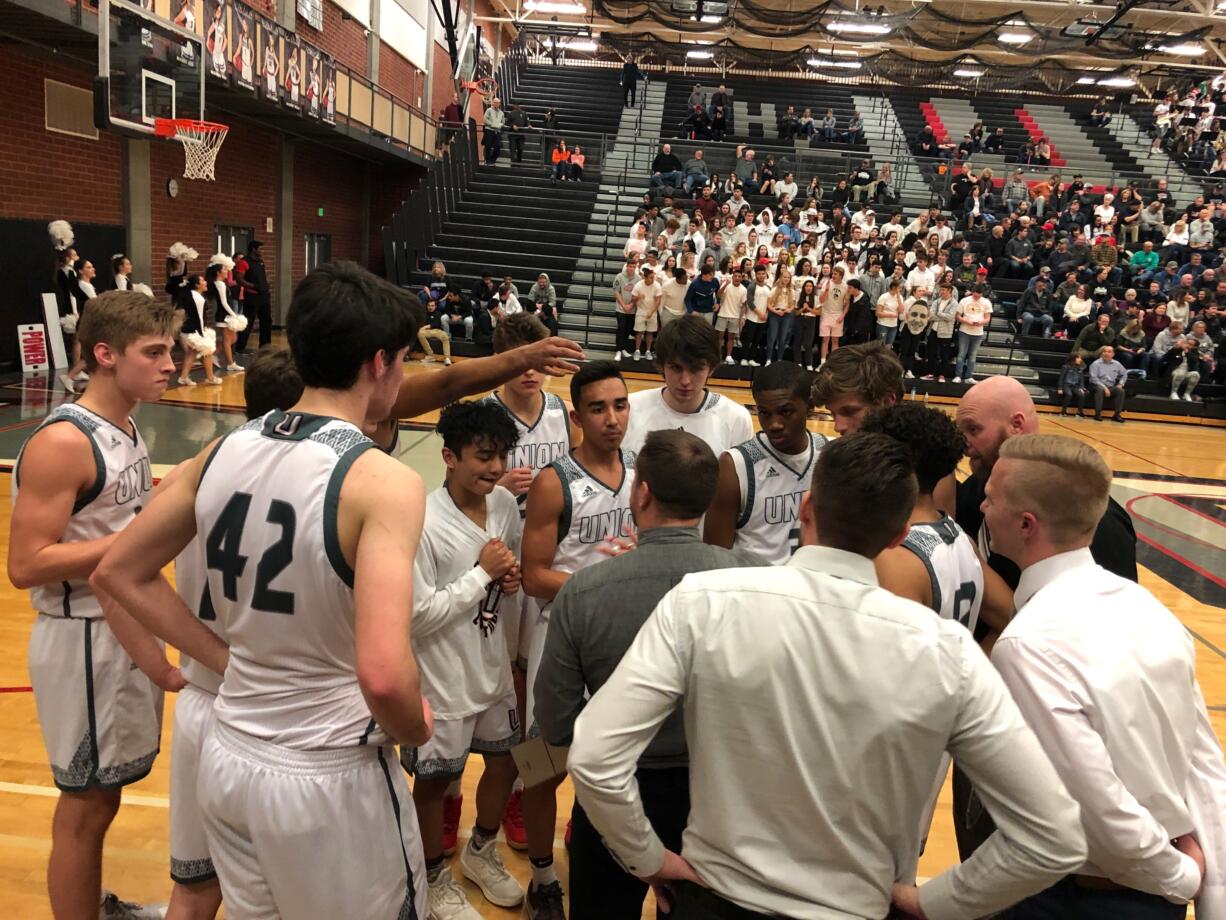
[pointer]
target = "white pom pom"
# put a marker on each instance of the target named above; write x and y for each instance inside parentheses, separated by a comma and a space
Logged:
(236, 323)
(61, 233)
(183, 252)
(69, 323)
(223, 260)
(143, 289)
(202, 344)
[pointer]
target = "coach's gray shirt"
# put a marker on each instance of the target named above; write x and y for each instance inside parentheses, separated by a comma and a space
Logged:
(595, 618)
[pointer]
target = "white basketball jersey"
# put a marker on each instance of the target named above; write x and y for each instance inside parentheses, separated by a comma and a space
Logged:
(591, 512)
(957, 577)
(772, 485)
(544, 441)
(457, 609)
(266, 510)
(120, 489)
(191, 582)
(719, 421)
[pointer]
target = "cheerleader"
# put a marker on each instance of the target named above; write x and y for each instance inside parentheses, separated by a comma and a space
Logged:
(176, 269)
(330, 98)
(229, 322)
(69, 294)
(270, 67)
(121, 269)
(197, 335)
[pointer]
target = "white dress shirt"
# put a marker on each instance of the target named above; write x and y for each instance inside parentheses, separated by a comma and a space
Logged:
(817, 709)
(1106, 677)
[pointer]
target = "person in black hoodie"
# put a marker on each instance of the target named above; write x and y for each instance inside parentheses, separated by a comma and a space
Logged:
(630, 80)
(256, 302)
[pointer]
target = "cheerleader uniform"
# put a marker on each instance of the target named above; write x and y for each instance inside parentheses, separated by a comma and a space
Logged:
(198, 332)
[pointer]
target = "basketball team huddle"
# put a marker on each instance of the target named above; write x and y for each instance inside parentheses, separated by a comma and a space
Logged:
(327, 611)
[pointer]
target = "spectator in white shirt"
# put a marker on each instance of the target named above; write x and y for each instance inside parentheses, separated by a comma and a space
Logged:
(733, 296)
(787, 186)
(921, 277)
(845, 783)
(1106, 677)
(646, 296)
(672, 296)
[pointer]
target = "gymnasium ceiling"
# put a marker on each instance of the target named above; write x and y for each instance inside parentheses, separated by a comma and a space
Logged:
(998, 43)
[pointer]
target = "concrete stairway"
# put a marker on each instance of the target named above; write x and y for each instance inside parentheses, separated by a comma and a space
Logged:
(626, 172)
(1067, 137)
(959, 117)
(883, 133)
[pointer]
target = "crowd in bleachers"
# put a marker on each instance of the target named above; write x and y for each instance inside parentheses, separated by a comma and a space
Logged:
(1188, 125)
(1111, 271)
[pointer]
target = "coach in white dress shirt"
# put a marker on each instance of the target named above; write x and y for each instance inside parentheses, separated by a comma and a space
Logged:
(817, 709)
(1106, 677)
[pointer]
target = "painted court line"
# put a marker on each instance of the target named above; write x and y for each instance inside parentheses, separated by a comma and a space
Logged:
(50, 792)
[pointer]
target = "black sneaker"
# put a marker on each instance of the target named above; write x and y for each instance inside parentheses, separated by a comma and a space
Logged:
(1118, 418)
(544, 903)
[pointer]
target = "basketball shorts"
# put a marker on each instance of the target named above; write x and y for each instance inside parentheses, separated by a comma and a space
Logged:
(100, 716)
(645, 323)
(728, 324)
(532, 645)
(493, 731)
(189, 847)
(307, 834)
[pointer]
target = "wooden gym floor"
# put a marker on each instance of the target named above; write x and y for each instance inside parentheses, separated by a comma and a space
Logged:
(1172, 478)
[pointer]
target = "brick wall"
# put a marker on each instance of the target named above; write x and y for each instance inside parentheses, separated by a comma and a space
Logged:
(332, 181)
(244, 194)
(344, 39)
(397, 75)
(44, 175)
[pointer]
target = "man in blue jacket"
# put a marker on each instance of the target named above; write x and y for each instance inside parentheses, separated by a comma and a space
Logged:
(700, 298)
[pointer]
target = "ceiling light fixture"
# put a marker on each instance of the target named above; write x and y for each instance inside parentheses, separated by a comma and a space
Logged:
(1086, 80)
(860, 28)
(700, 55)
(830, 62)
(1187, 49)
(583, 45)
(1014, 38)
(1118, 82)
(555, 6)
(968, 72)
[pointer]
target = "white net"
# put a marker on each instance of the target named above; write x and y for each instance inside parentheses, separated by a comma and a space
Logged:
(201, 143)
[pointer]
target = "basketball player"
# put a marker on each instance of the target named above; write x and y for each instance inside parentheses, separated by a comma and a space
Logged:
(574, 506)
(936, 564)
(79, 480)
(858, 378)
(546, 434)
(310, 537)
(687, 351)
(466, 568)
(271, 382)
(762, 480)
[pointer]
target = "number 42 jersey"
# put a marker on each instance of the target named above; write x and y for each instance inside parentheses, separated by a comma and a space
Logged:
(266, 514)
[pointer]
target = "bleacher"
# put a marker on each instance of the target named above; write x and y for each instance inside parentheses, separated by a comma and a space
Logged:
(512, 220)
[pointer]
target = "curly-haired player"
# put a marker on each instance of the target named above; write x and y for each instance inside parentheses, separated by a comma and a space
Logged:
(467, 566)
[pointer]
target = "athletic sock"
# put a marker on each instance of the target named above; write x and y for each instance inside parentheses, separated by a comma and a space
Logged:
(454, 791)
(542, 872)
(519, 785)
(433, 868)
(482, 836)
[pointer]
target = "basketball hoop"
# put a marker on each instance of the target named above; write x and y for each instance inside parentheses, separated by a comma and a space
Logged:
(201, 142)
(486, 86)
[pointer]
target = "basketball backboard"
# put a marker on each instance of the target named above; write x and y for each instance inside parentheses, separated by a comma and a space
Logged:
(149, 66)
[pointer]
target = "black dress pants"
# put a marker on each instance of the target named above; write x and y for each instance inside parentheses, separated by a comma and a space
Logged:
(600, 889)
